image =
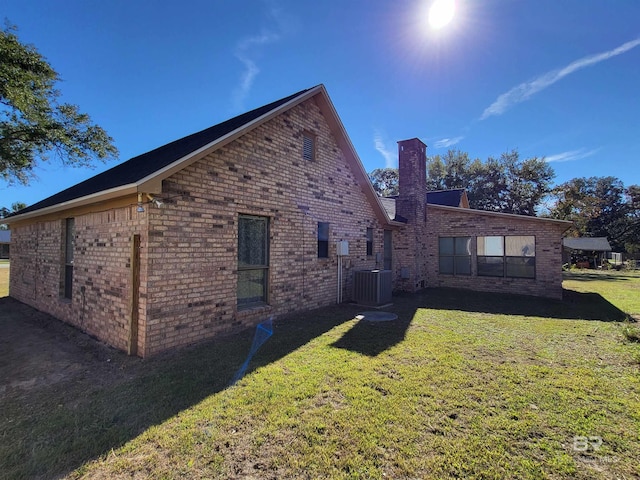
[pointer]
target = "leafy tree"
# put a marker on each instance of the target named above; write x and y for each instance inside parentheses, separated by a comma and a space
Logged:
(5, 212)
(448, 171)
(600, 207)
(507, 184)
(385, 181)
(527, 183)
(33, 124)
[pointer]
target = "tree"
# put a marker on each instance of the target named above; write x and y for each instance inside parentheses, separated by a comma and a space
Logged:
(527, 183)
(5, 212)
(385, 181)
(632, 239)
(507, 184)
(600, 207)
(33, 124)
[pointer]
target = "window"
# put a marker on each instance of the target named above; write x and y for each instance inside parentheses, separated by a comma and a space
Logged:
(491, 256)
(455, 255)
(388, 249)
(369, 242)
(308, 146)
(323, 240)
(69, 244)
(520, 256)
(511, 256)
(253, 260)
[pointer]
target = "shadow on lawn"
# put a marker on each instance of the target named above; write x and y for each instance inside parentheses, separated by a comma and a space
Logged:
(595, 275)
(51, 425)
(574, 305)
(372, 338)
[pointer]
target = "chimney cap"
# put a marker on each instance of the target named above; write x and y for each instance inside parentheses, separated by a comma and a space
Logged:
(412, 140)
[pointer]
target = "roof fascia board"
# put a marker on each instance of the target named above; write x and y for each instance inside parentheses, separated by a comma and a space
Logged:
(77, 202)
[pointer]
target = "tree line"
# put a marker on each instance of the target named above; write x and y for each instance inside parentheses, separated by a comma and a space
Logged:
(598, 206)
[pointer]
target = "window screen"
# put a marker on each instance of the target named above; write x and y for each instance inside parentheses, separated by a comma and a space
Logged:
(253, 260)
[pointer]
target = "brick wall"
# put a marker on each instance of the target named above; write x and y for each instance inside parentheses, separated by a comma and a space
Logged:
(443, 222)
(193, 236)
(99, 304)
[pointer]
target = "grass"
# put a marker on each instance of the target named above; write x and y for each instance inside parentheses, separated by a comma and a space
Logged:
(620, 288)
(462, 385)
(4, 280)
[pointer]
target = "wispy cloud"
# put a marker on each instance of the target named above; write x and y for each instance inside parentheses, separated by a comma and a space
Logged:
(245, 52)
(248, 49)
(524, 91)
(447, 142)
(571, 155)
(390, 155)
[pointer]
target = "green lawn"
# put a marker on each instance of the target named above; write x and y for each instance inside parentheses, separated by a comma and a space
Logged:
(462, 385)
(620, 288)
(4, 279)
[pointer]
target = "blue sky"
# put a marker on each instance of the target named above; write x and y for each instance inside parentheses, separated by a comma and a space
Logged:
(554, 79)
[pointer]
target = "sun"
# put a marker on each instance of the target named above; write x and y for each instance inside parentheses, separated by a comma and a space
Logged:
(441, 13)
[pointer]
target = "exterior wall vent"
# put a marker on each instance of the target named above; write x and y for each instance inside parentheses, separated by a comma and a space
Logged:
(372, 287)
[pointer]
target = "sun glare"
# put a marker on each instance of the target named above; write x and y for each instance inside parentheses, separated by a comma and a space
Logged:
(441, 13)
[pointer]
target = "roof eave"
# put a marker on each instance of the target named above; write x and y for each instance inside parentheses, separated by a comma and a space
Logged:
(98, 197)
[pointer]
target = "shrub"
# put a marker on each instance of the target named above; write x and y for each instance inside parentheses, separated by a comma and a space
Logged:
(631, 332)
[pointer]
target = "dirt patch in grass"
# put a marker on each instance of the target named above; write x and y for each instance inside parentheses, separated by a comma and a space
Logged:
(39, 351)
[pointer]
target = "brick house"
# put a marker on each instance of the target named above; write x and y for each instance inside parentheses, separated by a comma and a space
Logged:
(216, 231)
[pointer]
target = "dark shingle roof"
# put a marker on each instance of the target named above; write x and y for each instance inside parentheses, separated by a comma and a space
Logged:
(447, 198)
(140, 167)
(389, 204)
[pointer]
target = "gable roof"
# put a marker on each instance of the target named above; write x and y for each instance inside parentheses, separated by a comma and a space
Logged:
(589, 244)
(144, 173)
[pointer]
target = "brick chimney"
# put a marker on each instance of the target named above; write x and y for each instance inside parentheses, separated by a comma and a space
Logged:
(410, 245)
(412, 172)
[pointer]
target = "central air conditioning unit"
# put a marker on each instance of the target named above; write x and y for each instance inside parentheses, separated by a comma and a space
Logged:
(372, 287)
